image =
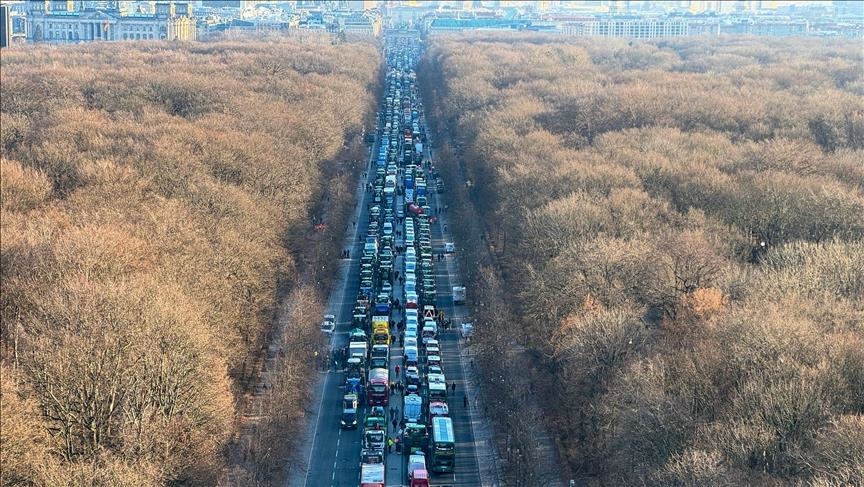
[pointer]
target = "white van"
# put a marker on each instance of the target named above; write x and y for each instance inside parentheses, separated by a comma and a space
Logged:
(412, 356)
(430, 331)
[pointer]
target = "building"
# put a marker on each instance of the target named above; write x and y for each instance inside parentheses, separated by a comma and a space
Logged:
(53, 21)
(463, 24)
(635, 28)
(5, 26)
(849, 10)
(780, 28)
(366, 24)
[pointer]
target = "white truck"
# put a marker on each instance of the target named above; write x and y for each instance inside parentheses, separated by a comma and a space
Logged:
(412, 408)
(458, 294)
(359, 350)
(372, 475)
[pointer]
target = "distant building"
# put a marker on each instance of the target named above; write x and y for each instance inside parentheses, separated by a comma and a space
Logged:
(849, 10)
(458, 25)
(767, 27)
(637, 28)
(366, 24)
(781, 28)
(5, 26)
(54, 21)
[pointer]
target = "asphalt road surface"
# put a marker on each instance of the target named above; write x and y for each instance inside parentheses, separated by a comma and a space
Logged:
(334, 459)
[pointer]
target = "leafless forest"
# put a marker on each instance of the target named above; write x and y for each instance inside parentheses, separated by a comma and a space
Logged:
(156, 200)
(675, 233)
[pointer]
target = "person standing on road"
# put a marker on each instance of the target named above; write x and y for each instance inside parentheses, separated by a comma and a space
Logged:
(397, 371)
(453, 387)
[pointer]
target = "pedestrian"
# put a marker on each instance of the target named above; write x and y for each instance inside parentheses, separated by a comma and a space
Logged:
(445, 227)
(398, 446)
(465, 400)
(394, 422)
(389, 444)
(397, 371)
(401, 280)
(401, 340)
(453, 387)
(402, 423)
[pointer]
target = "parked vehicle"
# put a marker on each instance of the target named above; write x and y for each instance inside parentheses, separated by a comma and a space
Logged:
(372, 475)
(458, 294)
(416, 461)
(467, 330)
(358, 350)
(438, 408)
(412, 410)
(378, 387)
(328, 326)
(442, 448)
(349, 411)
(412, 356)
(374, 438)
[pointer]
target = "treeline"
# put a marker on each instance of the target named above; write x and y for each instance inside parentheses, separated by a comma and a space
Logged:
(157, 198)
(679, 228)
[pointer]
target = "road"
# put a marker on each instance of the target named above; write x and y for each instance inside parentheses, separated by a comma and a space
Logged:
(334, 455)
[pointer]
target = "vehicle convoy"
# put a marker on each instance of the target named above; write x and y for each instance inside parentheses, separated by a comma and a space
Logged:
(401, 188)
